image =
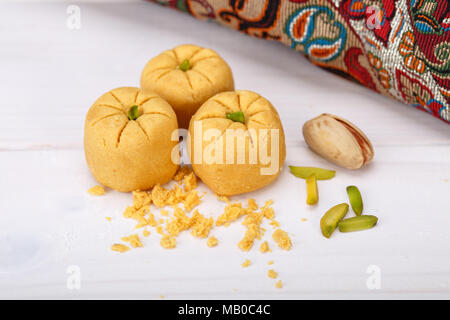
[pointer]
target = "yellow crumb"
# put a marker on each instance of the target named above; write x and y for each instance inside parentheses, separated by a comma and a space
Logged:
(164, 213)
(96, 191)
(119, 247)
(246, 263)
(223, 198)
(304, 219)
(233, 211)
(269, 213)
(192, 200)
(179, 222)
(189, 182)
(264, 247)
(272, 274)
(161, 297)
(133, 240)
(274, 223)
(251, 204)
(160, 230)
(253, 222)
(270, 262)
(145, 233)
(212, 241)
(201, 225)
(168, 242)
(282, 239)
(108, 218)
(181, 173)
(160, 195)
(151, 221)
(161, 221)
(141, 199)
(268, 203)
(279, 284)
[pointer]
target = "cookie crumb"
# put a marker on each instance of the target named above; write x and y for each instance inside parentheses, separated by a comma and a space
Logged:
(274, 223)
(108, 218)
(272, 274)
(246, 263)
(168, 242)
(252, 221)
(303, 219)
(189, 182)
(223, 198)
(279, 284)
(120, 247)
(181, 173)
(96, 191)
(264, 247)
(282, 239)
(133, 240)
(212, 241)
(201, 225)
(145, 233)
(164, 213)
(270, 262)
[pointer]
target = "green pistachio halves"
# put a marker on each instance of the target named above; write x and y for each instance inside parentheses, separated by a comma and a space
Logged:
(357, 223)
(331, 218)
(355, 199)
(185, 65)
(133, 112)
(237, 116)
(305, 172)
(312, 194)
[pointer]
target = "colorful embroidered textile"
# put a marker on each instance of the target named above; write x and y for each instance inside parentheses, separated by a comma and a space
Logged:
(400, 48)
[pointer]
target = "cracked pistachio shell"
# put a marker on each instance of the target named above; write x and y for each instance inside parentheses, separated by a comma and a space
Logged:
(338, 141)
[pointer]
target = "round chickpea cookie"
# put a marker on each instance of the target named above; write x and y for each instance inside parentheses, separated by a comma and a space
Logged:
(186, 77)
(127, 139)
(236, 142)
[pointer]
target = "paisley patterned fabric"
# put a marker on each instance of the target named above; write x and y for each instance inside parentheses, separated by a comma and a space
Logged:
(399, 48)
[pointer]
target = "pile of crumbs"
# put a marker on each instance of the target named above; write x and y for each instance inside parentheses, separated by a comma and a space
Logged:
(182, 199)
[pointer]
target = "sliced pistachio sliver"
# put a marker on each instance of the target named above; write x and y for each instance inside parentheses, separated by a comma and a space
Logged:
(185, 65)
(357, 223)
(237, 116)
(133, 112)
(305, 172)
(355, 199)
(312, 194)
(331, 218)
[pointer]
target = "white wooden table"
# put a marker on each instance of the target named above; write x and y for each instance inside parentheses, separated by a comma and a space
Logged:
(50, 75)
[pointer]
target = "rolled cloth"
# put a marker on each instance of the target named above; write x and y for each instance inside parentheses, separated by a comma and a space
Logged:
(399, 48)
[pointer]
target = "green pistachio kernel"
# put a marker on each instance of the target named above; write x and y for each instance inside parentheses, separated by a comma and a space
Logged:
(357, 223)
(133, 112)
(355, 199)
(305, 172)
(331, 218)
(185, 65)
(237, 116)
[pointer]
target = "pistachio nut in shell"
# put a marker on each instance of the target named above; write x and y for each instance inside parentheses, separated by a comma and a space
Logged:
(338, 141)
